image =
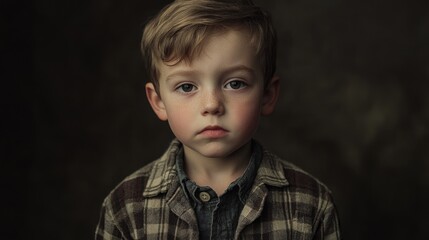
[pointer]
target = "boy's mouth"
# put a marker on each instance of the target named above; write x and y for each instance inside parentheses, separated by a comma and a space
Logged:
(213, 132)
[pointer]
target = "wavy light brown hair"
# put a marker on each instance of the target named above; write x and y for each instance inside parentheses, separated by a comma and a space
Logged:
(178, 32)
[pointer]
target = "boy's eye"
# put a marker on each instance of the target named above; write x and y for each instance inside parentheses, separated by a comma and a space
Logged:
(186, 88)
(235, 84)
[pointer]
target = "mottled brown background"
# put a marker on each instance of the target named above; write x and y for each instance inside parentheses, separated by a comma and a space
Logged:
(354, 110)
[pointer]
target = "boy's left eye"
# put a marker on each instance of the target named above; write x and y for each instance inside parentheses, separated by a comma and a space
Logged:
(235, 84)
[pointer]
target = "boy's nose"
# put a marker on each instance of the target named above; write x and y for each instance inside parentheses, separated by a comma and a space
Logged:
(213, 104)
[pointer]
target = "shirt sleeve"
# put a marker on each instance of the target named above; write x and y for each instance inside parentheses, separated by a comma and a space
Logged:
(329, 228)
(107, 229)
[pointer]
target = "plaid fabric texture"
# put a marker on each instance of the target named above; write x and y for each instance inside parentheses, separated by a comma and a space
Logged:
(284, 203)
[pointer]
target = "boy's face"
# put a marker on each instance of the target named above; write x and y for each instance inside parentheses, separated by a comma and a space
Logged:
(214, 103)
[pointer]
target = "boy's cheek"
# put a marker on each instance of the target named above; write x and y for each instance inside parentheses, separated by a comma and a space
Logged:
(247, 116)
(179, 122)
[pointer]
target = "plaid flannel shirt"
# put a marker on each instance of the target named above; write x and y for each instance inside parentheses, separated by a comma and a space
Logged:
(284, 203)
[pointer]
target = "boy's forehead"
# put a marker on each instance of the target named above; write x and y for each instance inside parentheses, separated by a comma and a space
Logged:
(227, 47)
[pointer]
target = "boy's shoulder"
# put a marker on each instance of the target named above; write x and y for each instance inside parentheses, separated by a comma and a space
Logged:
(277, 171)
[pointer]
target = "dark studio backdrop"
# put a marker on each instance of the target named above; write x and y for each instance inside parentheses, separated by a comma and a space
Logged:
(353, 111)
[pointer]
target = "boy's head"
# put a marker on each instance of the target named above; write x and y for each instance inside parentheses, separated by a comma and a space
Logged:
(180, 30)
(212, 73)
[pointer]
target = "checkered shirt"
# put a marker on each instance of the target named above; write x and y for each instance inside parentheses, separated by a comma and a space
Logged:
(284, 203)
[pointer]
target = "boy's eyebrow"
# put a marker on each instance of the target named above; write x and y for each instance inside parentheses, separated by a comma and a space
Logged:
(238, 68)
(182, 73)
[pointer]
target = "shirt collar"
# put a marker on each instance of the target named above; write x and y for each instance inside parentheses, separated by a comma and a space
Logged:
(271, 171)
(164, 173)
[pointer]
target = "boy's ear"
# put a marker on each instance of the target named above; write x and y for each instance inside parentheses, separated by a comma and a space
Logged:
(271, 94)
(155, 101)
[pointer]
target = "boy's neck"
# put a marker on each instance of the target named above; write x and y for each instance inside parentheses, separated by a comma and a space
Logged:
(217, 173)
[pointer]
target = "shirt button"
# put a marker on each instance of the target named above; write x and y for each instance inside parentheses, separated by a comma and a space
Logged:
(205, 197)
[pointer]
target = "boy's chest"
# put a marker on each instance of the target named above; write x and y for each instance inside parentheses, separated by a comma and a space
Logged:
(177, 220)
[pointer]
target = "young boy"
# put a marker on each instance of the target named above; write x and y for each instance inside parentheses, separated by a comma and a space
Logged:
(212, 66)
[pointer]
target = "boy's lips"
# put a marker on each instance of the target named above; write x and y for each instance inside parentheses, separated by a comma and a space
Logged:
(213, 132)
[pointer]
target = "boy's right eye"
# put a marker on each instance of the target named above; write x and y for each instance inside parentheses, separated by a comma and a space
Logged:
(186, 88)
